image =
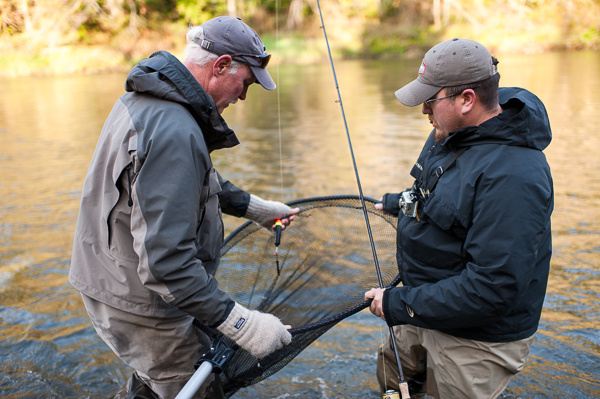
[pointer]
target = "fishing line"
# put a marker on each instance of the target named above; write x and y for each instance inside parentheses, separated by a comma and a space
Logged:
(403, 384)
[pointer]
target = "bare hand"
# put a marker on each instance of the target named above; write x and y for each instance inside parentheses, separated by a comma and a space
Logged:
(377, 305)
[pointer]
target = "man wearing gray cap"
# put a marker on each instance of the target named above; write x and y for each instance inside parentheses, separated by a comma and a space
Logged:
(474, 239)
(149, 230)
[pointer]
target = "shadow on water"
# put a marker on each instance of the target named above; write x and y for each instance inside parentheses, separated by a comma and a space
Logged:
(48, 131)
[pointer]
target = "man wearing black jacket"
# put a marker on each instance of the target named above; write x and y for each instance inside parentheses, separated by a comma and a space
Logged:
(474, 239)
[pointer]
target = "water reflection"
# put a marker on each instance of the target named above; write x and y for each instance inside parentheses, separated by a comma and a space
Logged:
(48, 131)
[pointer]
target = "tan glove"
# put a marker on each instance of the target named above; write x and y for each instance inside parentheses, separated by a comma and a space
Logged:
(265, 213)
(258, 333)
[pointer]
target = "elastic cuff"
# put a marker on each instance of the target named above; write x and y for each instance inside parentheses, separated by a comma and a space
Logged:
(231, 327)
(257, 208)
(386, 306)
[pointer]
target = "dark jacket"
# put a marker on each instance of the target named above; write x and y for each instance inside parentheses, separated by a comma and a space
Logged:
(149, 230)
(476, 265)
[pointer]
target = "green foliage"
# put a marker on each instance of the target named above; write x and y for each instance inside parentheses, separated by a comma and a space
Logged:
(356, 28)
(23, 62)
(294, 49)
(160, 9)
(591, 37)
(197, 11)
(389, 40)
(272, 5)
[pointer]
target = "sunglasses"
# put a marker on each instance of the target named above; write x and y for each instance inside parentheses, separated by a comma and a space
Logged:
(252, 59)
(430, 101)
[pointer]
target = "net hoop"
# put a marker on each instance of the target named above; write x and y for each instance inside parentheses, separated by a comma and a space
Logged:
(327, 265)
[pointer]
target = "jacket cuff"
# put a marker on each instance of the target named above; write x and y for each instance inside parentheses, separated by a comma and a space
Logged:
(395, 310)
(228, 309)
(386, 307)
(234, 201)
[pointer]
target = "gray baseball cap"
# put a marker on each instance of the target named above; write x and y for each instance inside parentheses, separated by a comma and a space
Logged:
(455, 62)
(231, 36)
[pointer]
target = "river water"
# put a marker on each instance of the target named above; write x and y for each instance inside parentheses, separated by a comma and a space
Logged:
(48, 131)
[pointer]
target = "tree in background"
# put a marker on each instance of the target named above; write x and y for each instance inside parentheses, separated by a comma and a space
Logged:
(131, 29)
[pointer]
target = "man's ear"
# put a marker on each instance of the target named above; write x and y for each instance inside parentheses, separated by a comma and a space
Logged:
(221, 64)
(468, 98)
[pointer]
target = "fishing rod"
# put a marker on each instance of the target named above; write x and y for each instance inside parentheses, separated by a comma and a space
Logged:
(403, 385)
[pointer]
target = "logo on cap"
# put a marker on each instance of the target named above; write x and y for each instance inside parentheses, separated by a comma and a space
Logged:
(422, 68)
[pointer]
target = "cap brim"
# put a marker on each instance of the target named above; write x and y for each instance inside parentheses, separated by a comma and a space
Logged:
(416, 93)
(263, 77)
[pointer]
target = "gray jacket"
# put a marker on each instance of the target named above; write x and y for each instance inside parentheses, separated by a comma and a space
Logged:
(149, 230)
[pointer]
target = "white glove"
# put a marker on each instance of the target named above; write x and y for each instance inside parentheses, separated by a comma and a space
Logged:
(258, 333)
(265, 213)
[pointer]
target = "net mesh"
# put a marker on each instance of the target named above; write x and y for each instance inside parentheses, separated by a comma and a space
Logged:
(325, 266)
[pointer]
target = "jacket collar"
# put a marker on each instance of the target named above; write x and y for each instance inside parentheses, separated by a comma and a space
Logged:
(216, 132)
(523, 123)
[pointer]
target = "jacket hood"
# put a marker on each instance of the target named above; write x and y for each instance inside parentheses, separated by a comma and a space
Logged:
(523, 123)
(165, 77)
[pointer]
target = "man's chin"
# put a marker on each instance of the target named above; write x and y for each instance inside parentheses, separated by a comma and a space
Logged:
(221, 109)
(439, 136)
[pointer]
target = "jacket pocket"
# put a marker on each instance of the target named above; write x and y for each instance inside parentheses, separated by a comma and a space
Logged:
(434, 247)
(209, 238)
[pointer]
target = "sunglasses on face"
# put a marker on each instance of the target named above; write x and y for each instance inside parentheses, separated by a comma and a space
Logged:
(432, 100)
(252, 59)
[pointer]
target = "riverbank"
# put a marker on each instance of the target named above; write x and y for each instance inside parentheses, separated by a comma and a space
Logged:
(31, 56)
(22, 57)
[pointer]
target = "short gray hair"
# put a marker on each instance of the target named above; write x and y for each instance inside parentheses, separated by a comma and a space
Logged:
(199, 56)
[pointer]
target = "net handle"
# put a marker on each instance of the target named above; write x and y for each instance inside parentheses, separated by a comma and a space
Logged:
(299, 202)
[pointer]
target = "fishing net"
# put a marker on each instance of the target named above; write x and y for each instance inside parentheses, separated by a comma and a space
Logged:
(323, 267)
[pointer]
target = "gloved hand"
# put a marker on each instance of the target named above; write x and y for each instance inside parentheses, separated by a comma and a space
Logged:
(265, 213)
(390, 203)
(258, 333)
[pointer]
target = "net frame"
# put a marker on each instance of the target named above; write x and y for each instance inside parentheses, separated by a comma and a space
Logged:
(243, 369)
